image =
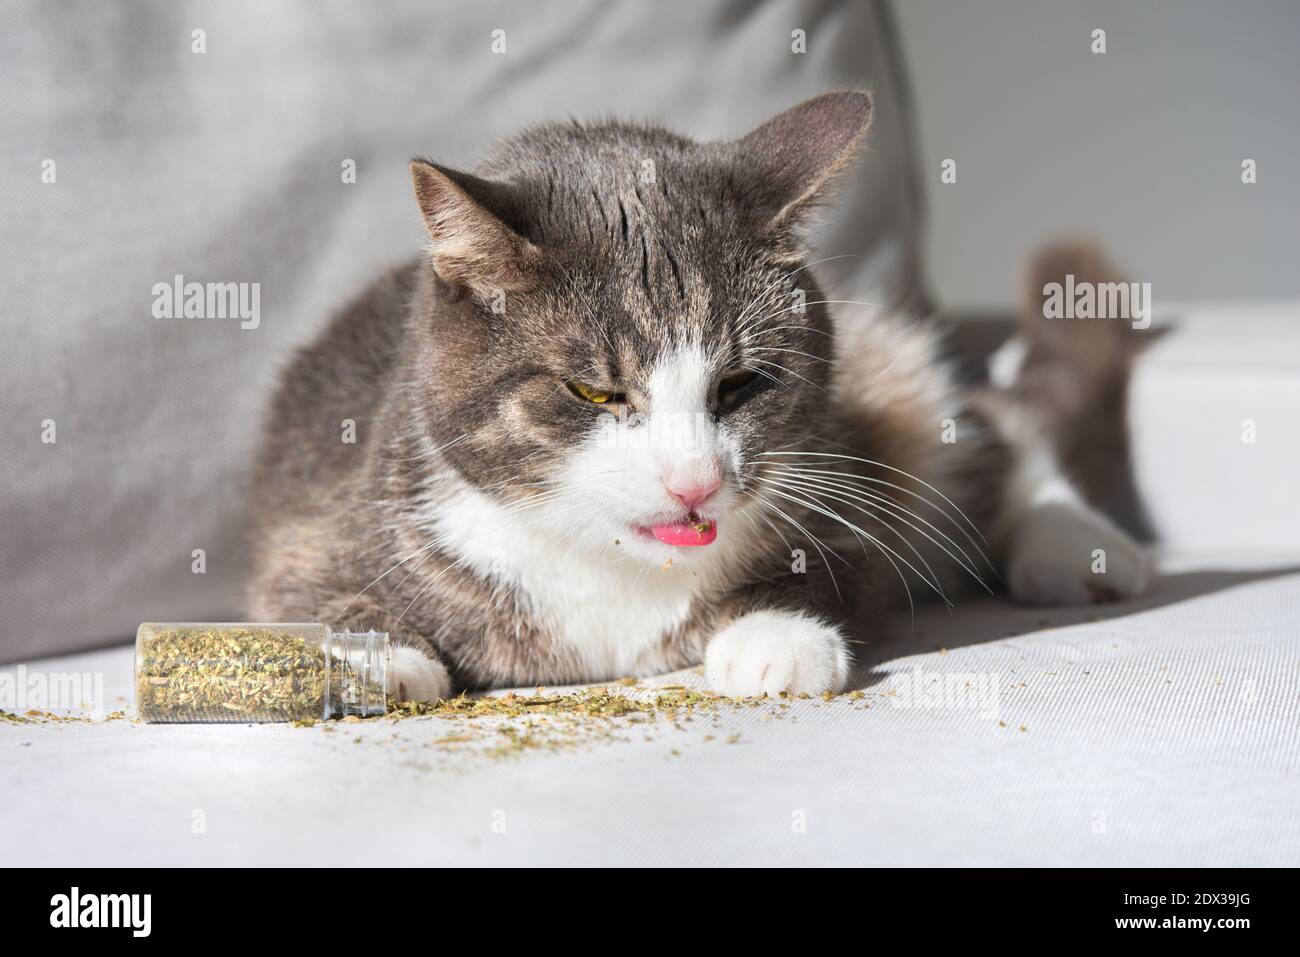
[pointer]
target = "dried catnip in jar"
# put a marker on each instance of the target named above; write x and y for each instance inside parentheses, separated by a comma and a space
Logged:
(258, 672)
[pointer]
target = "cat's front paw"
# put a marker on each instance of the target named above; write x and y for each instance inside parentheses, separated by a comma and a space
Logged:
(767, 652)
(1068, 554)
(414, 676)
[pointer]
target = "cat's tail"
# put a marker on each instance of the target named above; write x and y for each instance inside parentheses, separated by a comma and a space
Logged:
(1082, 324)
(1078, 307)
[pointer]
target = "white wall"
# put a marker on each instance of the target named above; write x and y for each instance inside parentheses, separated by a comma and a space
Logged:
(1141, 146)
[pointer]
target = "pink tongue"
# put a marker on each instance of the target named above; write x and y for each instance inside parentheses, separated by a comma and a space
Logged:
(686, 533)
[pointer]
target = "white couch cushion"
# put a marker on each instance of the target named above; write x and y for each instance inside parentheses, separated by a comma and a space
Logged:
(1162, 733)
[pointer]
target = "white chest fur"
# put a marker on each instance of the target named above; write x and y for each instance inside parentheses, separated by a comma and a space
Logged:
(608, 608)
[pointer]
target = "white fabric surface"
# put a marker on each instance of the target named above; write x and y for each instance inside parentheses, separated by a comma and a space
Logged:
(1166, 733)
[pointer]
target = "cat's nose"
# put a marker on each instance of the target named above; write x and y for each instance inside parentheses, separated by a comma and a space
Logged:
(693, 488)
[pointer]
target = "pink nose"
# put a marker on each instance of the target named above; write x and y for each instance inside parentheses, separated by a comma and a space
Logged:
(693, 490)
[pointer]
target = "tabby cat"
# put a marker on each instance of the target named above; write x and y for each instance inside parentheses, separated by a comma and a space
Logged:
(607, 425)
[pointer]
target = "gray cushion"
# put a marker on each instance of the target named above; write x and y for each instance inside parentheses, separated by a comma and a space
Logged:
(225, 167)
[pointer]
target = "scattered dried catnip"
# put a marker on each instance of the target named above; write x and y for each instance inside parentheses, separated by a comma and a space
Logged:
(34, 716)
(508, 725)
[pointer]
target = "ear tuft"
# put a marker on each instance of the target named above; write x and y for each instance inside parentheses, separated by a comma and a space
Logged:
(797, 154)
(470, 244)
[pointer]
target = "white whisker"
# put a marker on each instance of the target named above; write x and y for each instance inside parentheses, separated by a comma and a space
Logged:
(895, 509)
(816, 543)
(885, 549)
(903, 472)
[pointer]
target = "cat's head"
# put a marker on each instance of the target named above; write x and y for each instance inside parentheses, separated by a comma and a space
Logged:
(621, 321)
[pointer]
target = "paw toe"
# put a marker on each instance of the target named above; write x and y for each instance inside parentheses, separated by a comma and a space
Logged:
(414, 676)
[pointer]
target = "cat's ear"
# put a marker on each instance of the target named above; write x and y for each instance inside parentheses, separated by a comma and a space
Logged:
(471, 244)
(790, 160)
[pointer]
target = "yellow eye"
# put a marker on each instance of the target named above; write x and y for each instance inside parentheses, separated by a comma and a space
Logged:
(597, 396)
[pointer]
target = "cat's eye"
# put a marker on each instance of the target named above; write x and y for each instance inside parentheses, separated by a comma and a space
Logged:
(596, 396)
(732, 386)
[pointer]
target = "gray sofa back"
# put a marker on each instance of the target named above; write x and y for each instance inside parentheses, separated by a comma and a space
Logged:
(132, 157)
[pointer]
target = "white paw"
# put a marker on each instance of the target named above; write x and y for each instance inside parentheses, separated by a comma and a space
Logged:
(774, 651)
(414, 676)
(1067, 554)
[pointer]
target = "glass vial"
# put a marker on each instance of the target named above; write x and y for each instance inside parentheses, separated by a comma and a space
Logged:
(245, 673)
